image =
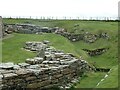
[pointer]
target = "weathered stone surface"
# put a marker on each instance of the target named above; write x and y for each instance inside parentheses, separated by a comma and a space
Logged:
(22, 72)
(86, 36)
(57, 68)
(34, 66)
(36, 60)
(4, 71)
(32, 78)
(35, 71)
(9, 65)
(23, 64)
(9, 75)
(16, 67)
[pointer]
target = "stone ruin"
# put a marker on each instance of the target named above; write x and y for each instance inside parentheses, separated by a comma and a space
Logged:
(86, 36)
(27, 29)
(96, 51)
(48, 69)
(35, 29)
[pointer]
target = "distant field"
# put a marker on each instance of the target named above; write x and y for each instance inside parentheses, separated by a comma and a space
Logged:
(12, 51)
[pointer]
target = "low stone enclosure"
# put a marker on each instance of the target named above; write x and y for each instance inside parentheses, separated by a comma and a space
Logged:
(86, 36)
(34, 29)
(96, 51)
(49, 68)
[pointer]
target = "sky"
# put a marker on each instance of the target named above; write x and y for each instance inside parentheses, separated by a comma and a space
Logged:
(59, 8)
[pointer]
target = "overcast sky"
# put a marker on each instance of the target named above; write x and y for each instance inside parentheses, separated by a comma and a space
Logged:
(59, 8)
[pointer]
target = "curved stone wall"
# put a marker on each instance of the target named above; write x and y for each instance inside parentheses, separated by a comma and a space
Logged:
(53, 68)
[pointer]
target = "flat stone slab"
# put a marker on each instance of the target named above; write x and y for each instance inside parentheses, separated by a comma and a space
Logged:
(23, 64)
(9, 75)
(34, 66)
(3, 71)
(69, 62)
(36, 72)
(36, 60)
(22, 72)
(9, 65)
(16, 67)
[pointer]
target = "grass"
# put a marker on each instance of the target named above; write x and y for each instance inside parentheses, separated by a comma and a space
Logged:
(12, 51)
(91, 26)
(112, 80)
(90, 80)
(12, 47)
(108, 59)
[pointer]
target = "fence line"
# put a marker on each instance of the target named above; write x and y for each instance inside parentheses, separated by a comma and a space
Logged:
(63, 18)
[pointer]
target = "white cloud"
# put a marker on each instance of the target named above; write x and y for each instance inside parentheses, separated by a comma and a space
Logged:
(58, 8)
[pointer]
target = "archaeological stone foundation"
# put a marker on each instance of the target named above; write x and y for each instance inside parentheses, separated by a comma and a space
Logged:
(50, 68)
(34, 29)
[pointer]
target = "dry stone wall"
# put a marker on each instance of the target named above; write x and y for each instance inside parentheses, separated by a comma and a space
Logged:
(96, 51)
(53, 68)
(34, 29)
(27, 29)
(86, 36)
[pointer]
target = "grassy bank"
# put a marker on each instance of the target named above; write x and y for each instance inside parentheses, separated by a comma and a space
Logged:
(13, 52)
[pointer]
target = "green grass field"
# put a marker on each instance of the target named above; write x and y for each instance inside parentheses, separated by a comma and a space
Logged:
(13, 52)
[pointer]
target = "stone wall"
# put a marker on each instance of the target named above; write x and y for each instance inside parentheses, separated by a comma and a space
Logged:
(27, 28)
(96, 51)
(86, 36)
(53, 68)
(34, 29)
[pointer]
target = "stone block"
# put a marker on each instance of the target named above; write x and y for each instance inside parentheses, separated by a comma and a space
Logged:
(31, 78)
(39, 84)
(23, 64)
(22, 72)
(9, 76)
(8, 65)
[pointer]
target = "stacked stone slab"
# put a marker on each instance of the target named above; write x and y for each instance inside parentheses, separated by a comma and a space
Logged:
(34, 46)
(60, 69)
(42, 75)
